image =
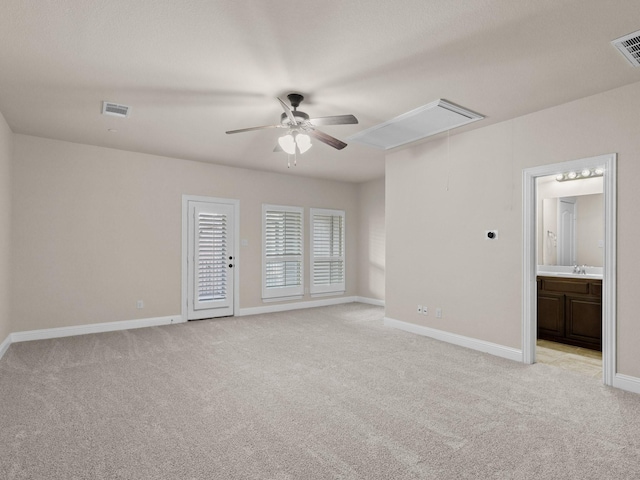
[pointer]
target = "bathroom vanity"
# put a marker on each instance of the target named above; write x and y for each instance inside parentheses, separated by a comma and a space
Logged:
(570, 309)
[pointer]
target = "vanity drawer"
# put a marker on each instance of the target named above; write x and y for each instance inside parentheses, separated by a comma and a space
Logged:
(565, 285)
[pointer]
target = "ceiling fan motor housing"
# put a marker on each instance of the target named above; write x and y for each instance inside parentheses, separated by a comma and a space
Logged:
(298, 115)
(295, 99)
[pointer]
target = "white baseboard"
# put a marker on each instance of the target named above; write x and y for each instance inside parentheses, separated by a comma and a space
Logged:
(626, 382)
(468, 342)
(4, 346)
(370, 301)
(283, 307)
(92, 328)
(48, 333)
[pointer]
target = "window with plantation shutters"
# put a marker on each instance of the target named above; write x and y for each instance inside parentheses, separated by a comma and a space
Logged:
(327, 251)
(282, 271)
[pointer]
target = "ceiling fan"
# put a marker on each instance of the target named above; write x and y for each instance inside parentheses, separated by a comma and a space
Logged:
(300, 128)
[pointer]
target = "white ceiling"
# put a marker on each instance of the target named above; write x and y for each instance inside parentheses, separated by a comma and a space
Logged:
(191, 69)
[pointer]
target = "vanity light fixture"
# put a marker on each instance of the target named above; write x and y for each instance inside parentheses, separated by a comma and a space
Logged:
(586, 173)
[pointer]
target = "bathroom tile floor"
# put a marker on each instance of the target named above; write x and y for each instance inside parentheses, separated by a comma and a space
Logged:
(577, 359)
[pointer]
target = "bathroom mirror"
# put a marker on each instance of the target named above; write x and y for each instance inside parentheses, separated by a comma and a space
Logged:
(570, 222)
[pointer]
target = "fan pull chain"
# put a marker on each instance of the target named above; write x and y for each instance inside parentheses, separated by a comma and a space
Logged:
(295, 160)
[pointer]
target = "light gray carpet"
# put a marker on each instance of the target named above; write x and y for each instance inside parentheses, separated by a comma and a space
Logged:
(313, 394)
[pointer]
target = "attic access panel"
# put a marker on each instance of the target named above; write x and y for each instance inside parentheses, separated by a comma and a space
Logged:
(431, 119)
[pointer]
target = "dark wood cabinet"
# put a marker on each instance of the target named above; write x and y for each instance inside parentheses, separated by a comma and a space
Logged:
(570, 311)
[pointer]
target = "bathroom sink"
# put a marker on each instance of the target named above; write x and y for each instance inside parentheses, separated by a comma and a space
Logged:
(571, 275)
(567, 271)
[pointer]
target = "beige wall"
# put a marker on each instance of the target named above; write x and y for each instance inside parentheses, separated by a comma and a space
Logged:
(96, 229)
(6, 149)
(438, 206)
(371, 239)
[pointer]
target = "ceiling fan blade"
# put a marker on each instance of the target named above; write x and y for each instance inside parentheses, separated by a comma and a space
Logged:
(334, 120)
(328, 139)
(250, 129)
(288, 111)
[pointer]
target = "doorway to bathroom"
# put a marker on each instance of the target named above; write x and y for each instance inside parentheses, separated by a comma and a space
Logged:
(576, 297)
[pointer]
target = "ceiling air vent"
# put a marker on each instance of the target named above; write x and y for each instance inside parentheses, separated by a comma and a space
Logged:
(115, 109)
(629, 46)
(436, 117)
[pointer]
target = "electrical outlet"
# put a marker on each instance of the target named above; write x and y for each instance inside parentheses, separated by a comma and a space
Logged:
(425, 310)
(438, 312)
(419, 310)
(140, 304)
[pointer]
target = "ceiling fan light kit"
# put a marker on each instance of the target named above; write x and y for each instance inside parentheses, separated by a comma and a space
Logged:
(295, 142)
(301, 128)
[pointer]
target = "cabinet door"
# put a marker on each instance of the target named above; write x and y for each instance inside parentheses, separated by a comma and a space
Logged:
(584, 320)
(551, 315)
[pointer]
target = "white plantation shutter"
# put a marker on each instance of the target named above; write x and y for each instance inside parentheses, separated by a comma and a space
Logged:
(210, 258)
(282, 251)
(327, 251)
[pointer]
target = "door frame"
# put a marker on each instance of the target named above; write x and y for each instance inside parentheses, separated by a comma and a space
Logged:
(185, 248)
(529, 257)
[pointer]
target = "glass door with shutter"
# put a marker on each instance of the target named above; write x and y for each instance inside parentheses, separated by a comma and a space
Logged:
(210, 260)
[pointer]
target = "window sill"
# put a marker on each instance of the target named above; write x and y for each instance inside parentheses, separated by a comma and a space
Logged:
(328, 294)
(282, 299)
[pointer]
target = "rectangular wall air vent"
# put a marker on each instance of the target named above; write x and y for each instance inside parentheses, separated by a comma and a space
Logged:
(629, 46)
(436, 117)
(115, 109)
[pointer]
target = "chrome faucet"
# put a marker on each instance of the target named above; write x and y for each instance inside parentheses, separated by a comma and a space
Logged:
(580, 269)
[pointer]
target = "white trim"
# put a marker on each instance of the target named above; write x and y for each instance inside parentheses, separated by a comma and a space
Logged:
(609, 284)
(529, 262)
(283, 307)
(48, 333)
(185, 244)
(326, 294)
(627, 382)
(282, 299)
(460, 340)
(370, 301)
(4, 346)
